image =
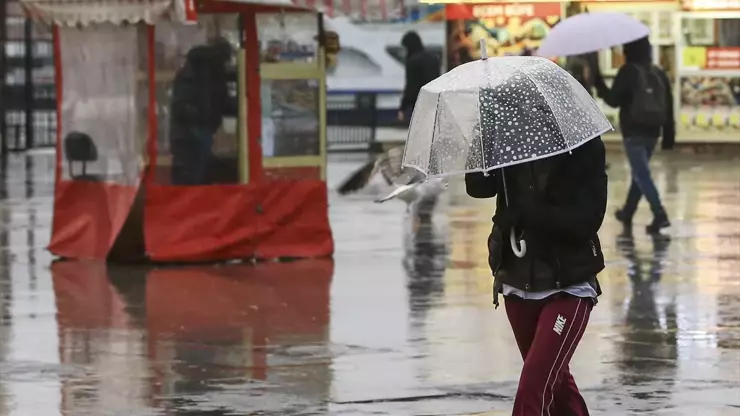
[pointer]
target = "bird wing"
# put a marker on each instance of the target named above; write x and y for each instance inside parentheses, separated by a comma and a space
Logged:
(398, 191)
(358, 179)
(390, 166)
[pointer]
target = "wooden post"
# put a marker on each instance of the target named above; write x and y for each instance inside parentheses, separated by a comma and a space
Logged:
(253, 89)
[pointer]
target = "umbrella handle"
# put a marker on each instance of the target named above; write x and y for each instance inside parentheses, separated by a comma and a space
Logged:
(519, 252)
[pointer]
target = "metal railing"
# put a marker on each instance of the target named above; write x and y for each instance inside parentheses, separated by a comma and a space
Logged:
(351, 121)
(27, 88)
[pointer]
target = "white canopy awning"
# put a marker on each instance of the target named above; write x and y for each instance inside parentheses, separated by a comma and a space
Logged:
(356, 9)
(85, 12)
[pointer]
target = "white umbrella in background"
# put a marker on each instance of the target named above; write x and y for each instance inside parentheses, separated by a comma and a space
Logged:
(591, 32)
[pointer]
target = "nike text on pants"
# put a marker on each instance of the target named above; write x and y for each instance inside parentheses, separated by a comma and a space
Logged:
(547, 332)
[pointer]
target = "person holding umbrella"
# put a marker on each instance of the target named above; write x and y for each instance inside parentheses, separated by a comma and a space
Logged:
(642, 92)
(559, 205)
(523, 130)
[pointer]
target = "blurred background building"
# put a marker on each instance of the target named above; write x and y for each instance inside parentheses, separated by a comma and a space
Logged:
(28, 106)
(696, 41)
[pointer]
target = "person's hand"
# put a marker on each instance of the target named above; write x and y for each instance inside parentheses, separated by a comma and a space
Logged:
(400, 116)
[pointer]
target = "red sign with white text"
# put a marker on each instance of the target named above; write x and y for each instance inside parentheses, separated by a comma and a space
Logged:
(506, 10)
(723, 58)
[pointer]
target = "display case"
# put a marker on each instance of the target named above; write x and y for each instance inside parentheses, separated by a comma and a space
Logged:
(708, 82)
(293, 96)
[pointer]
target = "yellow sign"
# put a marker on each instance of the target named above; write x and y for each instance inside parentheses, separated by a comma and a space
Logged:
(735, 120)
(694, 57)
(702, 119)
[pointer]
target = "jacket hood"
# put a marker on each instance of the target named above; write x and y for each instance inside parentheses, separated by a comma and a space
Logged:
(412, 42)
(639, 50)
(198, 54)
(218, 51)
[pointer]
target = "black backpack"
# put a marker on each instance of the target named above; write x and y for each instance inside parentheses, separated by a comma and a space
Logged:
(649, 99)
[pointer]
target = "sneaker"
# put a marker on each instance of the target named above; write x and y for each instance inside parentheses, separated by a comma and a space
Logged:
(659, 222)
(622, 217)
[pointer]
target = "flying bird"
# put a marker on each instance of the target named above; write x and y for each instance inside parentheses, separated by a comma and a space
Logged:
(406, 182)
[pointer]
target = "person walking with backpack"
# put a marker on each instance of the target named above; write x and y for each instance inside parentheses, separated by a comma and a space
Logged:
(642, 92)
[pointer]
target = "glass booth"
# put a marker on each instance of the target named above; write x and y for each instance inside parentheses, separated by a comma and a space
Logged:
(197, 139)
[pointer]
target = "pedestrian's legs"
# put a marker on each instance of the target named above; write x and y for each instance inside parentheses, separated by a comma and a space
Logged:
(523, 317)
(183, 159)
(203, 153)
(568, 400)
(638, 152)
(559, 329)
(633, 199)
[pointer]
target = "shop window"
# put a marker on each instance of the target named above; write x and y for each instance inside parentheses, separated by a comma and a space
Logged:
(290, 123)
(287, 37)
(698, 32)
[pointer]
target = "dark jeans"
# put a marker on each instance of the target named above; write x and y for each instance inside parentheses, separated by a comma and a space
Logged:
(639, 151)
(191, 157)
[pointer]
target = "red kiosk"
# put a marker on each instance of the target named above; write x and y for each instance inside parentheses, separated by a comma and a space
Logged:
(163, 155)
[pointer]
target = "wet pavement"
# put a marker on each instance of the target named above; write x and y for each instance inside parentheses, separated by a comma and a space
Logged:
(399, 323)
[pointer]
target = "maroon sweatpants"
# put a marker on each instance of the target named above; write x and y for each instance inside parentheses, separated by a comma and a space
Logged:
(547, 332)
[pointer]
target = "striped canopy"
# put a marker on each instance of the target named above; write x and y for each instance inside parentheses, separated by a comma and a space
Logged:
(85, 12)
(356, 9)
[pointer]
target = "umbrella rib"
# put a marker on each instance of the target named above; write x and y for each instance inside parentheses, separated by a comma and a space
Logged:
(459, 129)
(560, 128)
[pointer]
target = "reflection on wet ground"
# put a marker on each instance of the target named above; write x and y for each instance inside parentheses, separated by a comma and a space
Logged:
(399, 323)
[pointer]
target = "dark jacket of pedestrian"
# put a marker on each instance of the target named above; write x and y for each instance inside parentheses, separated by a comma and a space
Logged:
(557, 206)
(200, 94)
(637, 53)
(200, 100)
(422, 67)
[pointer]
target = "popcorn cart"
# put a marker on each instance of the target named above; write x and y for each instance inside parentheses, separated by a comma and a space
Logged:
(189, 130)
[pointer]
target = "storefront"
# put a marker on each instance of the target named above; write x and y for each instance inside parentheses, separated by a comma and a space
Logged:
(708, 71)
(507, 28)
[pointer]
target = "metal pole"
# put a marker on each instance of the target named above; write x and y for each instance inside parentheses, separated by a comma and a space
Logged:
(3, 78)
(28, 84)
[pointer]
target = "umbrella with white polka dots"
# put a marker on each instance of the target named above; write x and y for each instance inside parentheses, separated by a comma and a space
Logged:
(498, 112)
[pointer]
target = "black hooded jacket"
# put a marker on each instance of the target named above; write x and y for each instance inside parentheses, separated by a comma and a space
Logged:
(200, 96)
(625, 83)
(559, 205)
(422, 66)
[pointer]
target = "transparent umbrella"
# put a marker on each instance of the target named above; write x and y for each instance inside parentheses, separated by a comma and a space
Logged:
(498, 112)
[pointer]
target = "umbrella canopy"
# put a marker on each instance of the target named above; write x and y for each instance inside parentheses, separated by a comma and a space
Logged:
(591, 32)
(498, 112)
